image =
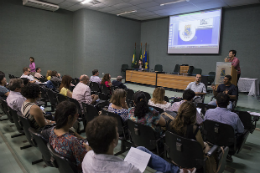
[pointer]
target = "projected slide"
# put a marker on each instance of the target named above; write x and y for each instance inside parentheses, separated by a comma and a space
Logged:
(195, 33)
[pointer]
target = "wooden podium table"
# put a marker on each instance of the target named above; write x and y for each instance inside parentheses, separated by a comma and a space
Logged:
(148, 78)
(174, 81)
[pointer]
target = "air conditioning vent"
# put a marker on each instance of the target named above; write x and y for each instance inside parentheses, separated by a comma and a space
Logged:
(41, 5)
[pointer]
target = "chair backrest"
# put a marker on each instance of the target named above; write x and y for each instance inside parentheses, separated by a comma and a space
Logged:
(186, 153)
(158, 109)
(104, 89)
(78, 106)
(211, 77)
(129, 97)
(90, 112)
(44, 94)
(176, 68)
(191, 69)
(7, 111)
(16, 120)
(42, 145)
(142, 135)
(52, 97)
(61, 98)
(147, 95)
(218, 133)
(158, 67)
(103, 96)
(94, 87)
(197, 71)
(246, 119)
(63, 164)
(120, 123)
(26, 124)
(124, 67)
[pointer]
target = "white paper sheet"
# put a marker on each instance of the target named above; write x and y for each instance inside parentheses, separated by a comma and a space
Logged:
(254, 113)
(138, 158)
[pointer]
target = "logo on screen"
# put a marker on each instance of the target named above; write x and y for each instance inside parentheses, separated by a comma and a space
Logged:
(187, 31)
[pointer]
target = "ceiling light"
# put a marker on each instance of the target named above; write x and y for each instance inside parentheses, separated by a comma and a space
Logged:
(127, 12)
(86, 1)
(168, 3)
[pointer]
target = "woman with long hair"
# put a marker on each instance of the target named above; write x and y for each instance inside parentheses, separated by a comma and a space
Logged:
(118, 103)
(158, 99)
(65, 86)
(106, 80)
(48, 74)
(32, 65)
(143, 114)
(185, 125)
(62, 139)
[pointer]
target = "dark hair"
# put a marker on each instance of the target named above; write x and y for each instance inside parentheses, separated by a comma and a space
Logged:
(63, 111)
(222, 100)
(32, 58)
(25, 81)
(233, 52)
(188, 95)
(25, 69)
(31, 91)
(105, 78)
(15, 83)
(53, 73)
(229, 77)
(141, 105)
(2, 73)
(37, 69)
(100, 132)
(94, 71)
(65, 82)
(1, 78)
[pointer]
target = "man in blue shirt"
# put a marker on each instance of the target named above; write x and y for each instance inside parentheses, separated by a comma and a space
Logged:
(226, 88)
(222, 115)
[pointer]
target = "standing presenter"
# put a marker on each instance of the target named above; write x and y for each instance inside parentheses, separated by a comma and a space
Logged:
(234, 61)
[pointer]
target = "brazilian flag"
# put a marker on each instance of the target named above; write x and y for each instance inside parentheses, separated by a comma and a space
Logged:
(141, 55)
(145, 61)
(134, 62)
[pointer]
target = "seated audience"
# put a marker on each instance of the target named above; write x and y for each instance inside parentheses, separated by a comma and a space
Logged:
(94, 77)
(144, 114)
(185, 125)
(188, 95)
(38, 73)
(27, 74)
(103, 137)
(227, 88)
(199, 88)
(118, 83)
(48, 74)
(223, 115)
(31, 110)
(4, 92)
(106, 81)
(62, 140)
(158, 99)
(118, 103)
(65, 85)
(15, 99)
(82, 92)
(55, 76)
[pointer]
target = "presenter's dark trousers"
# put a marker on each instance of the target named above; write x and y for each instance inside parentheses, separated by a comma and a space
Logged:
(238, 76)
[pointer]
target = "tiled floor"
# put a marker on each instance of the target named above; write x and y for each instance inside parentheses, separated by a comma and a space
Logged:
(14, 160)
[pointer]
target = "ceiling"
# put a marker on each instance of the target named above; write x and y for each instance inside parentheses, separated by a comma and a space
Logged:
(148, 9)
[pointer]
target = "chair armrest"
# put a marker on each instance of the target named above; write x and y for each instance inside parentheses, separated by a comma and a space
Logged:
(212, 150)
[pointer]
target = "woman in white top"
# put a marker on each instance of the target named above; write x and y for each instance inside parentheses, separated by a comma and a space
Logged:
(158, 99)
